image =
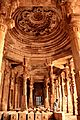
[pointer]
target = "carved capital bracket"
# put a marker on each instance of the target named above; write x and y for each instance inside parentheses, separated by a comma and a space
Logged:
(3, 27)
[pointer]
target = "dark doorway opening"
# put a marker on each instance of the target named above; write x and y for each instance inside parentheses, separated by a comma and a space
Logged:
(38, 94)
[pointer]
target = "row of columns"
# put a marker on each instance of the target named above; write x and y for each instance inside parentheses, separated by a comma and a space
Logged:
(76, 56)
(10, 84)
(62, 88)
(55, 84)
(65, 89)
(24, 105)
(74, 32)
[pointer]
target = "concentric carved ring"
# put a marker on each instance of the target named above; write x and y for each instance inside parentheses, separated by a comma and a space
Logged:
(36, 20)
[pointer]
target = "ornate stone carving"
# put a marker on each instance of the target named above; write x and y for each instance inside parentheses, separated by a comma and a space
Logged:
(3, 27)
(6, 9)
(39, 31)
(36, 21)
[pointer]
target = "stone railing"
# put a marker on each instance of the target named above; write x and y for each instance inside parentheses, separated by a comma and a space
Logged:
(31, 115)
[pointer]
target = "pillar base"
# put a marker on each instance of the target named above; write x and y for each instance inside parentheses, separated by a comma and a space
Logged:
(24, 103)
(46, 103)
(30, 103)
(78, 117)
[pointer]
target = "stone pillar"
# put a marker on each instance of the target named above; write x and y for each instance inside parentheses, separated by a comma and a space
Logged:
(52, 87)
(55, 83)
(61, 93)
(71, 75)
(68, 96)
(63, 108)
(6, 83)
(66, 80)
(3, 29)
(24, 96)
(67, 89)
(60, 98)
(46, 93)
(74, 85)
(2, 82)
(16, 94)
(31, 95)
(75, 44)
(57, 92)
(52, 92)
(11, 91)
(15, 89)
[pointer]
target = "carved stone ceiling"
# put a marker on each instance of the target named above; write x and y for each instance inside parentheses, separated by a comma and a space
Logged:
(39, 33)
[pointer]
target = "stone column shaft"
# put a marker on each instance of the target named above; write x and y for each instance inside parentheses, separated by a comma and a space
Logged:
(16, 96)
(31, 95)
(63, 108)
(24, 96)
(75, 45)
(6, 85)
(67, 96)
(3, 29)
(52, 87)
(60, 97)
(61, 93)
(72, 84)
(46, 94)
(66, 68)
(57, 92)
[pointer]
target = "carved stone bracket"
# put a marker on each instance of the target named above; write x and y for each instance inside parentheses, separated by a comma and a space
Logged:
(3, 27)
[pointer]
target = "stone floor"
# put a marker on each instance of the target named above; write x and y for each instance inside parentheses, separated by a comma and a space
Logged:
(69, 116)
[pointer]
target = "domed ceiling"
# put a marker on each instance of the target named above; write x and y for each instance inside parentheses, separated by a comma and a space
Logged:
(40, 34)
(39, 31)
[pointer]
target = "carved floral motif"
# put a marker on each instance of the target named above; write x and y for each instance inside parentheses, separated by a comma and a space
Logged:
(36, 21)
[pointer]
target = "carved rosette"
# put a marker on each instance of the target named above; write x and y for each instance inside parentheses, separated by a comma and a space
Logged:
(36, 20)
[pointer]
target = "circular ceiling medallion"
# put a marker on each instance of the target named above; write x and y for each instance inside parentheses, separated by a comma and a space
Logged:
(36, 20)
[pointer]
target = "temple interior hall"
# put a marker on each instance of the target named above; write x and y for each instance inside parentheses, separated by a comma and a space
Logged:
(39, 59)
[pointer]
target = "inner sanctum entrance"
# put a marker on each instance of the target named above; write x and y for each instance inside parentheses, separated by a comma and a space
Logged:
(38, 94)
(38, 100)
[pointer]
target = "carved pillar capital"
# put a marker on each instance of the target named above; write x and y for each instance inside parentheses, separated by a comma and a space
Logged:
(3, 27)
(31, 87)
